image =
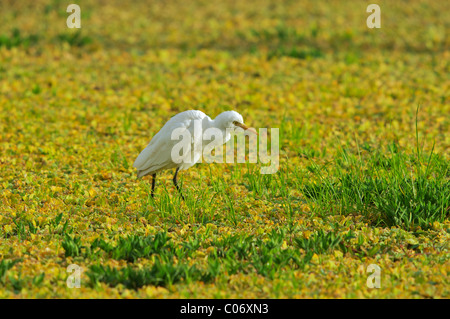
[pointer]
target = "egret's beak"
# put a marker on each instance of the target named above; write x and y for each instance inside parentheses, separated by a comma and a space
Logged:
(245, 127)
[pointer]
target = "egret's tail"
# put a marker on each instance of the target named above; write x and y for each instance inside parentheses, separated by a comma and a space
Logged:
(141, 173)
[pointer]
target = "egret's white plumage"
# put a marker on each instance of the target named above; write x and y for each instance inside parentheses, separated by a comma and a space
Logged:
(157, 155)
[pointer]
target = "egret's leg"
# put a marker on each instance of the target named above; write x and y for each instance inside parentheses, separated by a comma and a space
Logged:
(153, 184)
(176, 184)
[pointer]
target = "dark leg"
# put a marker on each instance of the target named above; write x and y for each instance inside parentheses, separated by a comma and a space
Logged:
(153, 183)
(175, 182)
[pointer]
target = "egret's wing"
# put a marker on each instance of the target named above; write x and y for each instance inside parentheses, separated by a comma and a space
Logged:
(157, 154)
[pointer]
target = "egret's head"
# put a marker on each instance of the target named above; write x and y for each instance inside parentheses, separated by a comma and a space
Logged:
(231, 119)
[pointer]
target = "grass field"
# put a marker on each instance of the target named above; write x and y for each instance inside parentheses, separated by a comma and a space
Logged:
(364, 161)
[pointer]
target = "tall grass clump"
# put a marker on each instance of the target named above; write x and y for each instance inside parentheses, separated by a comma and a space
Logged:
(392, 189)
(6, 265)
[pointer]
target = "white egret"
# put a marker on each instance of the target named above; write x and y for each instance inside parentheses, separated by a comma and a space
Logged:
(157, 156)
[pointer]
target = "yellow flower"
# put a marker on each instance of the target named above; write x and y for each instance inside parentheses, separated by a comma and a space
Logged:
(315, 258)
(338, 254)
